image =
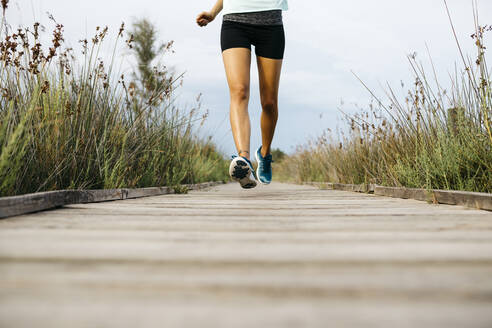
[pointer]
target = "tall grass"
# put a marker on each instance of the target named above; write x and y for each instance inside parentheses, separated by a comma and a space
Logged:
(434, 138)
(78, 124)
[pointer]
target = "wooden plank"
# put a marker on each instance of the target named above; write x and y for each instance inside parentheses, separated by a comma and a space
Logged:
(364, 188)
(96, 195)
(22, 204)
(482, 201)
(146, 192)
(470, 199)
(405, 193)
(204, 185)
(476, 200)
(275, 256)
(17, 205)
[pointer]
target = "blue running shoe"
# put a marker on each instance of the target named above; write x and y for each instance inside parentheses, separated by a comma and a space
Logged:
(264, 170)
(241, 170)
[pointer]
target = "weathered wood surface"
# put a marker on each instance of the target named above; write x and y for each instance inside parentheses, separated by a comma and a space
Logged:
(478, 200)
(29, 203)
(276, 256)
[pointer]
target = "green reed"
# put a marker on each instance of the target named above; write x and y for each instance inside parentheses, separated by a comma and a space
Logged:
(434, 138)
(68, 123)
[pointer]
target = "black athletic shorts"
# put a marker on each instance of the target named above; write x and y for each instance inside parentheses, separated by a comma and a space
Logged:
(269, 40)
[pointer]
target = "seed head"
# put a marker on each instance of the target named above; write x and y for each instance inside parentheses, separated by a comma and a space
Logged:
(129, 41)
(122, 28)
(45, 87)
(4, 5)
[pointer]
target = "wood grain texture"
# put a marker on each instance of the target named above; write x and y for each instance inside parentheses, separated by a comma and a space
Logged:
(22, 204)
(16, 205)
(275, 256)
(478, 200)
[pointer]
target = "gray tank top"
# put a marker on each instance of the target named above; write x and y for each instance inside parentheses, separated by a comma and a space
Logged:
(267, 17)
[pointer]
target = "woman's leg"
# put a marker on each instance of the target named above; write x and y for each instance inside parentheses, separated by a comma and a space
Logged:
(237, 62)
(269, 76)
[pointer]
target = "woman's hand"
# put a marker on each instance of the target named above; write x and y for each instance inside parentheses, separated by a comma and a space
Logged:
(204, 18)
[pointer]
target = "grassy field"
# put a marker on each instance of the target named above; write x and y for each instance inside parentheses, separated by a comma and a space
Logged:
(69, 121)
(434, 138)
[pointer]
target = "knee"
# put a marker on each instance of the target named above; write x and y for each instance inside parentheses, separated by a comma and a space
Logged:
(240, 93)
(269, 105)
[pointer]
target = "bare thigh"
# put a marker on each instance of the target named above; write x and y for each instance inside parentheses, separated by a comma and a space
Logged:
(269, 76)
(237, 64)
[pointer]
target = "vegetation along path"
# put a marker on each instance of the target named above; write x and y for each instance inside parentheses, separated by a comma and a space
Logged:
(277, 256)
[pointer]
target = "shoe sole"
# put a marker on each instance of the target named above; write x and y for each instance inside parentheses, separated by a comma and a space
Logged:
(240, 171)
(258, 171)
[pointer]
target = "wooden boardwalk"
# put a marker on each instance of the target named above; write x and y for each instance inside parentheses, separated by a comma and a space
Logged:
(276, 256)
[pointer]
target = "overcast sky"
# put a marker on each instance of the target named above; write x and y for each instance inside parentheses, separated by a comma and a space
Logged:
(325, 41)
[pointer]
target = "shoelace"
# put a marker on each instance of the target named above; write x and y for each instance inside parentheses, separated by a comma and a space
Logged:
(266, 163)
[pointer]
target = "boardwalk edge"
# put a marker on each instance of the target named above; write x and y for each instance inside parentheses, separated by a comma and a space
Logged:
(477, 200)
(28, 203)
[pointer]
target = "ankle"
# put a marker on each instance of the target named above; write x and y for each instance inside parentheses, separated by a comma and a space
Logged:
(264, 153)
(244, 153)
